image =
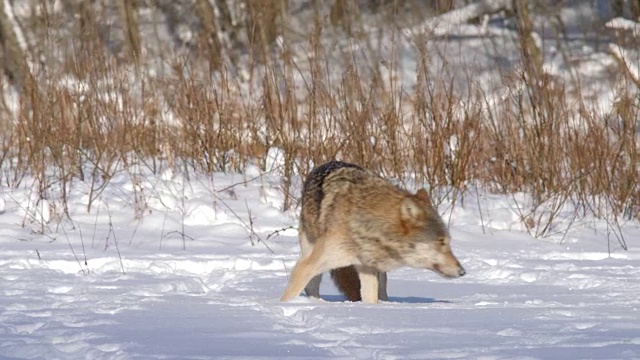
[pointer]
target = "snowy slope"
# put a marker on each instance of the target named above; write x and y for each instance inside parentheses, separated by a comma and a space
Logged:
(213, 294)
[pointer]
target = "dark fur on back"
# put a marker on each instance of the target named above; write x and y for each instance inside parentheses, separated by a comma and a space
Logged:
(312, 191)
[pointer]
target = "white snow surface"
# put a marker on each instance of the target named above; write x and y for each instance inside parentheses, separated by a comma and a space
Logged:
(214, 293)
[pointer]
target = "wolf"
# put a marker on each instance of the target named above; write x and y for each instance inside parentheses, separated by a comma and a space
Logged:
(360, 226)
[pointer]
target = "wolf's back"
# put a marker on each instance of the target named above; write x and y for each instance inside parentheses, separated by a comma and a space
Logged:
(312, 193)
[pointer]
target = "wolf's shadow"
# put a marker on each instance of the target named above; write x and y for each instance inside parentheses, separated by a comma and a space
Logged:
(392, 299)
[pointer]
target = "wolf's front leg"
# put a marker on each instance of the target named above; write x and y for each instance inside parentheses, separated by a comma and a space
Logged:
(382, 286)
(312, 289)
(314, 263)
(368, 284)
(302, 273)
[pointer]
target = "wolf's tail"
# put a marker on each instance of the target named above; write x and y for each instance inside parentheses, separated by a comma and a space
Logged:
(348, 282)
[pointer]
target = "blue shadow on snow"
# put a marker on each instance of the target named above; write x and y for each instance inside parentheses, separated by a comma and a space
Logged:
(392, 299)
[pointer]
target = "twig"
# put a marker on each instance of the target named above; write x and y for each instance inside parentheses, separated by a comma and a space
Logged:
(95, 227)
(84, 253)
(72, 251)
(277, 232)
(135, 230)
(247, 226)
(480, 210)
(182, 213)
(244, 182)
(251, 231)
(115, 239)
(182, 234)
(166, 213)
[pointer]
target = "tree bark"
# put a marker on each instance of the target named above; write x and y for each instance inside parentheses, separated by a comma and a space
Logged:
(13, 58)
(443, 6)
(635, 10)
(531, 55)
(264, 24)
(209, 40)
(128, 10)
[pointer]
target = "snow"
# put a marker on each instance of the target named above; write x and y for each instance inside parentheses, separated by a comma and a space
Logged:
(620, 53)
(624, 24)
(168, 266)
(451, 20)
(197, 274)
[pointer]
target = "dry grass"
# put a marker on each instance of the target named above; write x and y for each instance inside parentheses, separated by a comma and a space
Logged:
(541, 140)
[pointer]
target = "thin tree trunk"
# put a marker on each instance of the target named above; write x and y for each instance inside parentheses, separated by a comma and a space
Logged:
(635, 10)
(344, 13)
(128, 10)
(264, 24)
(617, 8)
(209, 40)
(13, 58)
(443, 6)
(531, 55)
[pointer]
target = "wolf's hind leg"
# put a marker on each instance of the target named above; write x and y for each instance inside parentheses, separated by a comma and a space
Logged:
(313, 287)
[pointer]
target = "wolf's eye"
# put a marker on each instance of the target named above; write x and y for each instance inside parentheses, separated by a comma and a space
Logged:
(442, 241)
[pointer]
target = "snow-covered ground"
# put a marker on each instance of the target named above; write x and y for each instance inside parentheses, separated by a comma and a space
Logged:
(166, 266)
(148, 292)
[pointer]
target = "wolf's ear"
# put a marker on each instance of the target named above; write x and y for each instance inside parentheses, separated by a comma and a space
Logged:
(423, 196)
(409, 209)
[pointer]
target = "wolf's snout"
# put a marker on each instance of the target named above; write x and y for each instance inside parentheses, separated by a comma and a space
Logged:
(461, 272)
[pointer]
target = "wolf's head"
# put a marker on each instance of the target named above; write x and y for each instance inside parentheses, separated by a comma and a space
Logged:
(427, 237)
